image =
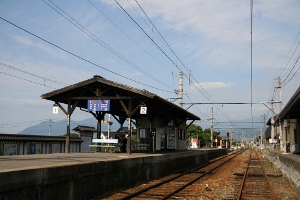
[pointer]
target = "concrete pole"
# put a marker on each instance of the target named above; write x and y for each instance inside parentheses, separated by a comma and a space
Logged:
(108, 131)
(272, 124)
(211, 127)
(180, 89)
(50, 120)
(264, 129)
(279, 94)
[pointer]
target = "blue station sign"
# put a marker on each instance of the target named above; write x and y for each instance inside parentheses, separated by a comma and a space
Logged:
(98, 105)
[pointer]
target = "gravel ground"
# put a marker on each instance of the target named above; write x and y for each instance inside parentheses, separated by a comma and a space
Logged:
(223, 183)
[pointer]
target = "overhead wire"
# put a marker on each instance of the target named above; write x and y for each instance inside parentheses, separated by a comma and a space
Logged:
(207, 96)
(24, 79)
(251, 59)
(45, 79)
(286, 81)
(283, 68)
(128, 36)
(81, 58)
(101, 42)
(146, 34)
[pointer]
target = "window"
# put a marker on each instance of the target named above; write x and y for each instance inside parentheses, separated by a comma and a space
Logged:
(144, 136)
(143, 133)
(181, 134)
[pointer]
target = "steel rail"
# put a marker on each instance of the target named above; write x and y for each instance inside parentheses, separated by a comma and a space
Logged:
(246, 175)
(130, 196)
(196, 179)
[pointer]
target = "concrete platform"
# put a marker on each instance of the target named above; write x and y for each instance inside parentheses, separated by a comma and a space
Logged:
(288, 163)
(88, 175)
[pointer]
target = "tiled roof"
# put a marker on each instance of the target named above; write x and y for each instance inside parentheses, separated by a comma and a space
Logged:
(85, 128)
(101, 88)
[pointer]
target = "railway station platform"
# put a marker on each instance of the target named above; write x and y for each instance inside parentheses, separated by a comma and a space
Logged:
(288, 163)
(88, 175)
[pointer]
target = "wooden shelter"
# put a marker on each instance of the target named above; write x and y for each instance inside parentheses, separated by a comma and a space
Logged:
(125, 103)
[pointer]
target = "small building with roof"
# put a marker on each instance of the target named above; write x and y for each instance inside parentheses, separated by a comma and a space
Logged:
(86, 133)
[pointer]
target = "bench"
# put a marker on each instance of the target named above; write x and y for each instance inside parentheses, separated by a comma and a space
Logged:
(109, 145)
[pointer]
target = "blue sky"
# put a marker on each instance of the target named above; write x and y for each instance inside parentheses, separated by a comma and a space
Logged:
(46, 45)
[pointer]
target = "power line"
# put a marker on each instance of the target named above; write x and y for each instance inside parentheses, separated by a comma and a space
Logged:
(128, 35)
(200, 90)
(146, 34)
(28, 80)
(282, 66)
(45, 79)
(81, 58)
(251, 10)
(285, 81)
(101, 42)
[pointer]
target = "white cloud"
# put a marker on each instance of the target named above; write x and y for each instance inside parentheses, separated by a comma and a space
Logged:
(212, 85)
(39, 45)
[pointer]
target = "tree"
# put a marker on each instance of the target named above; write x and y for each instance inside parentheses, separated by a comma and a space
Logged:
(196, 131)
(206, 137)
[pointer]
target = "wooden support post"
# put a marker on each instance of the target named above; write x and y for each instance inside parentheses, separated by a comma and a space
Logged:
(129, 128)
(68, 112)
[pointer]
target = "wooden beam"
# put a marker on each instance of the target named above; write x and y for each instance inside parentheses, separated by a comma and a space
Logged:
(102, 97)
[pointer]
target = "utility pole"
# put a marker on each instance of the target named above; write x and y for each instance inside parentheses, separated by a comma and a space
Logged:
(50, 121)
(179, 92)
(211, 127)
(180, 89)
(230, 135)
(279, 94)
(264, 129)
(243, 137)
(272, 123)
(108, 130)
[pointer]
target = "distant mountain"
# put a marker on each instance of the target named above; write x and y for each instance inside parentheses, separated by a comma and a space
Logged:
(58, 128)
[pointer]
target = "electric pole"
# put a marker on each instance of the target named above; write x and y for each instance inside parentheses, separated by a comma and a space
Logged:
(50, 121)
(211, 127)
(109, 123)
(279, 94)
(180, 89)
(264, 128)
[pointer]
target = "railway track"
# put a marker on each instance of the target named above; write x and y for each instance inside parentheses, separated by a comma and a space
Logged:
(255, 183)
(170, 187)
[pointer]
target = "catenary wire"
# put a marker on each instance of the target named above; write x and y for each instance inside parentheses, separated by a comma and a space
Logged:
(81, 58)
(20, 70)
(207, 96)
(128, 36)
(101, 42)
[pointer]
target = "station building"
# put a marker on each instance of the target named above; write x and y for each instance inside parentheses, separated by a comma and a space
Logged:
(286, 127)
(160, 124)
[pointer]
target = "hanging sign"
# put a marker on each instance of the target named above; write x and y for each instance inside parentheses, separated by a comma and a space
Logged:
(98, 105)
(143, 110)
(55, 109)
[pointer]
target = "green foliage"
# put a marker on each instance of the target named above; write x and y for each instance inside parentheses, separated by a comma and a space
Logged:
(207, 130)
(194, 129)
(197, 132)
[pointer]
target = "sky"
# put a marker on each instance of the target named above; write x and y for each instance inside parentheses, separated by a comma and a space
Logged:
(47, 45)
